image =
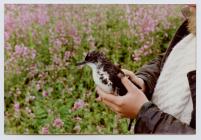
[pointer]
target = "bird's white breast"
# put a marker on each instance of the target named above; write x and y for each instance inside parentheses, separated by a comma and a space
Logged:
(97, 75)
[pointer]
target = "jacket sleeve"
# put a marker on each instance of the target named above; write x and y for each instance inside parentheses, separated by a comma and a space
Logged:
(150, 73)
(152, 120)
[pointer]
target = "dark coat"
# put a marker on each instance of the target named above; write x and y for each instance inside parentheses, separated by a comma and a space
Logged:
(150, 118)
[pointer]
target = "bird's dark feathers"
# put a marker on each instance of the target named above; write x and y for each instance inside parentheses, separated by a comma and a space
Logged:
(94, 57)
(110, 68)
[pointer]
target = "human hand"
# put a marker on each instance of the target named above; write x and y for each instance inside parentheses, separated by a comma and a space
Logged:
(128, 105)
(135, 79)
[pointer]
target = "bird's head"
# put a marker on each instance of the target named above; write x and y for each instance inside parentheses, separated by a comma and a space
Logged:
(92, 58)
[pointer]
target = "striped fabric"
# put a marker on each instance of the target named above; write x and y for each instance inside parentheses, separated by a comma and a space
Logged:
(172, 93)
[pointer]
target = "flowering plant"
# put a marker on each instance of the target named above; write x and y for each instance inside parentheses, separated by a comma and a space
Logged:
(45, 93)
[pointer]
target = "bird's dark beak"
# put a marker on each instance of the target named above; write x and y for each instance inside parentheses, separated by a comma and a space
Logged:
(81, 63)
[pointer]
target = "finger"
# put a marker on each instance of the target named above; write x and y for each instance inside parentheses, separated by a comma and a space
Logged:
(114, 107)
(128, 84)
(131, 75)
(127, 72)
(98, 99)
(134, 78)
(108, 97)
(116, 92)
(120, 115)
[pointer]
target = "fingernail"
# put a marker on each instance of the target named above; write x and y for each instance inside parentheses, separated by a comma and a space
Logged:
(120, 75)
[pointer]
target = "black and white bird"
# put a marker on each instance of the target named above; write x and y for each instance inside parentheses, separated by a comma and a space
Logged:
(105, 74)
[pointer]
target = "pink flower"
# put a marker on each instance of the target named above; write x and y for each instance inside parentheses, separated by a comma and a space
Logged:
(38, 86)
(19, 50)
(9, 23)
(78, 118)
(146, 53)
(45, 93)
(59, 27)
(32, 98)
(43, 19)
(145, 46)
(17, 107)
(58, 43)
(78, 104)
(67, 55)
(24, 52)
(33, 54)
(73, 32)
(56, 60)
(77, 40)
(142, 50)
(6, 36)
(58, 123)
(45, 130)
(137, 58)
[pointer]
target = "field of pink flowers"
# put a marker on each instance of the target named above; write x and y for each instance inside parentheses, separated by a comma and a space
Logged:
(45, 93)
